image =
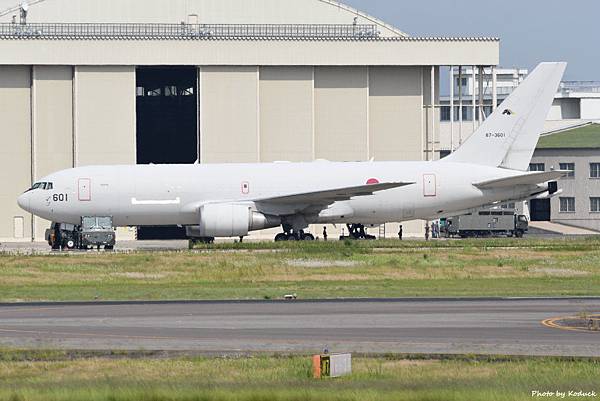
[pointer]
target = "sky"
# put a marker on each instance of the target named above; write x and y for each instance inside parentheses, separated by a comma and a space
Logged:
(531, 31)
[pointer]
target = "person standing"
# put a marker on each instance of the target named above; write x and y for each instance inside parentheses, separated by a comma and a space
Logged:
(426, 232)
(400, 233)
(324, 233)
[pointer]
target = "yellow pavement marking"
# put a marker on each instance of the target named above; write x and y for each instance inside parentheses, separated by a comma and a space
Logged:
(551, 323)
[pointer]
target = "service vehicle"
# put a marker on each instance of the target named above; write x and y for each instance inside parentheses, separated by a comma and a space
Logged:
(97, 232)
(92, 232)
(487, 223)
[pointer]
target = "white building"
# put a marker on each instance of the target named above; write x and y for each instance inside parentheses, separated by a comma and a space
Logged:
(174, 81)
(576, 102)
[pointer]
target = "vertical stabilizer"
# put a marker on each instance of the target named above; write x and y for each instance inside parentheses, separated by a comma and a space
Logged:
(508, 137)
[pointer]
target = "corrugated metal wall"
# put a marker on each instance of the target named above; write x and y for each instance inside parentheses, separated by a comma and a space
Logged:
(52, 101)
(341, 113)
(246, 114)
(15, 149)
(395, 106)
(286, 114)
(229, 115)
(104, 115)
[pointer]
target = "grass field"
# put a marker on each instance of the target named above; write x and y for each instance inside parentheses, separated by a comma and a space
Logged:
(51, 378)
(311, 270)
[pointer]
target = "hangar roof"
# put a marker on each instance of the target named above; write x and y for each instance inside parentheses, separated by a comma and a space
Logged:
(198, 32)
(583, 137)
(195, 11)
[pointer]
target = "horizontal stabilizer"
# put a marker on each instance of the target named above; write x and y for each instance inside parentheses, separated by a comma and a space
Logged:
(329, 196)
(525, 179)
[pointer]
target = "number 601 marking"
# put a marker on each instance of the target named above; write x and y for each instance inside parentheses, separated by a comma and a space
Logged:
(60, 197)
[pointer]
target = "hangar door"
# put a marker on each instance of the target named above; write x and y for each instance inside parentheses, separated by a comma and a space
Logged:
(167, 125)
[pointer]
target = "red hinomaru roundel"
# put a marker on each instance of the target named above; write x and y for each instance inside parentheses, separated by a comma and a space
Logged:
(372, 181)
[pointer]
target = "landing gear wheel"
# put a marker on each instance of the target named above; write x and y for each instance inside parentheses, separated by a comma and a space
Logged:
(109, 247)
(281, 237)
(292, 237)
(308, 237)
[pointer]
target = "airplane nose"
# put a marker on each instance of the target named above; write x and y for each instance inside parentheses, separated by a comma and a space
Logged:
(23, 201)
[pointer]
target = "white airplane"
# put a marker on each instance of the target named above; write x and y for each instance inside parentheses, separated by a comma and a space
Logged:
(231, 200)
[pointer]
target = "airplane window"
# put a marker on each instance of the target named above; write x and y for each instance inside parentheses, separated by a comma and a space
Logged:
(43, 185)
(50, 186)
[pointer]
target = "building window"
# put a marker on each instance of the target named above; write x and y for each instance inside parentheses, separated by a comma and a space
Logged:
(594, 170)
(444, 153)
(537, 167)
(467, 113)
(153, 92)
(567, 205)
(445, 113)
(570, 167)
(487, 111)
(186, 91)
(456, 113)
(170, 91)
(595, 205)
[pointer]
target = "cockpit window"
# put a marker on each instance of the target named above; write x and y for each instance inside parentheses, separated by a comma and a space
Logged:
(42, 185)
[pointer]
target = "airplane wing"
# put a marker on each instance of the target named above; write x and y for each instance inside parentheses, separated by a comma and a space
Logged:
(525, 179)
(295, 203)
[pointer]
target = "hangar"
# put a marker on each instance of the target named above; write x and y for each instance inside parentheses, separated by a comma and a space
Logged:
(210, 81)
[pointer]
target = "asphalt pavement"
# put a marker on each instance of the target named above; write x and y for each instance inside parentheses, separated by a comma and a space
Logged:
(480, 326)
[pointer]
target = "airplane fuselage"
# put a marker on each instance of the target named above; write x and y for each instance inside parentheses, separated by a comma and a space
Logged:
(161, 195)
(229, 200)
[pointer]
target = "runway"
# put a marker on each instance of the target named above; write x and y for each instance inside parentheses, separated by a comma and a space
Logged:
(481, 326)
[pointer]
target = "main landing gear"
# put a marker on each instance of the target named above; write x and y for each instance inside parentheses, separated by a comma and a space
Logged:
(358, 232)
(292, 235)
(205, 240)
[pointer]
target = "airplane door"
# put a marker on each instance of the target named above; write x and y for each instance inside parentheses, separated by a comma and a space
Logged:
(429, 185)
(85, 190)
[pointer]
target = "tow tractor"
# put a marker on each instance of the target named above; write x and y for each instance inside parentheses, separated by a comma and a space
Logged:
(93, 232)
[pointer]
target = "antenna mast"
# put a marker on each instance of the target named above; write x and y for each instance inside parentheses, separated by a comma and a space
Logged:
(22, 8)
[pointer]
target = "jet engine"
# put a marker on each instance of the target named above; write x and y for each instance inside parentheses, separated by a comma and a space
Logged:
(233, 220)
